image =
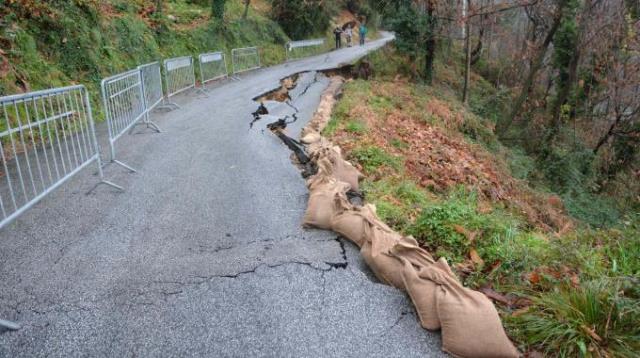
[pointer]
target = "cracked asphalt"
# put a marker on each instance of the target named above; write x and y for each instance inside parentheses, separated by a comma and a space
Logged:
(204, 254)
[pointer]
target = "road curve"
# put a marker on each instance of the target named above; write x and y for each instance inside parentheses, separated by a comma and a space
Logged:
(203, 255)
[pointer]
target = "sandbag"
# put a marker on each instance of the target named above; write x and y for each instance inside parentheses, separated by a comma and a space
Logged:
(409, 249)
(423, 295)
(470, 323)
(321, 208)
(375, 252)
(311, 137)
(344, 171)
(351, 223)
(329, 161)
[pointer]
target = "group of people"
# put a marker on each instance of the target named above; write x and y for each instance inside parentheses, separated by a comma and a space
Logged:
(348, 33)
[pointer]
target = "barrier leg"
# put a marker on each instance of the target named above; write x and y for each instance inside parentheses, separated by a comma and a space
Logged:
(150, 124)
(114, 160)
(9, 325)
(169, 105)
(202, 91)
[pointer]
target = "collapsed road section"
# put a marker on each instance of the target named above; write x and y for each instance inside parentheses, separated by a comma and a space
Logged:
(468, 320)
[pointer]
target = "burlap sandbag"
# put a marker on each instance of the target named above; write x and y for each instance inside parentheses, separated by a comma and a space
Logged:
(423, 292)
(310, 137)
(470, 323)
(346, 172)
(375, 252)
(338, 167)
(409, 249)
(321, 208)
(351, 223)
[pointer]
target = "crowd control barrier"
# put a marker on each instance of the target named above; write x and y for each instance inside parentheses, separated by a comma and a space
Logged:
(245, 59)
(152, 85)
(47, 137)
(124, 101)
(179, 76)
(299, 49)
(213, 66)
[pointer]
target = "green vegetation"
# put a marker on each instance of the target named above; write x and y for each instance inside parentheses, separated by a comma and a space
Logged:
(51, 45)
(372, 158)
(572, 291)
(356, 127)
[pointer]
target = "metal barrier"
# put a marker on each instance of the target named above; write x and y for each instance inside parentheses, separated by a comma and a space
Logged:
(213, 66)
(124, 102)
(152, 85)
(245, 59)
(9, 325)
(179, 75)
(300, 49)
(47, 137)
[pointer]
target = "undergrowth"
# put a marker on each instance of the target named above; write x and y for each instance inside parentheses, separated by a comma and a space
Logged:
(574, 292)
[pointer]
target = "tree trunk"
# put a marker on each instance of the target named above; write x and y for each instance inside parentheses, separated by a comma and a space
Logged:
(158, 10)
(246, 9)
(467, 60)
(505, 122)
(477, 51)
(430, 43)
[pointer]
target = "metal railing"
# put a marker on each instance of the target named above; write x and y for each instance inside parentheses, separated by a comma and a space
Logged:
(179, 76)
(152, 85)
(9, 325)
(245, 59)
(213, 66)
(124, 101)
(46, 138)
(299, 49)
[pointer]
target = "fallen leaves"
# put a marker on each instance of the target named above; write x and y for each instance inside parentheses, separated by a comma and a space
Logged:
(439, 159)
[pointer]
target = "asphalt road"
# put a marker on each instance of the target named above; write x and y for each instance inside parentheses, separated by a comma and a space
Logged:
(204, 254)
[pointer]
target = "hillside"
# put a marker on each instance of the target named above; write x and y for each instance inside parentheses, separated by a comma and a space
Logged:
(435, 170)
(49, 44)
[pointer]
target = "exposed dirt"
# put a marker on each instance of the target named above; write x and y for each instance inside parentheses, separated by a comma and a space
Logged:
(439, 159)
(280, 94)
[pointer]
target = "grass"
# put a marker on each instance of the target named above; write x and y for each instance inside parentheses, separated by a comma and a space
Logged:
(356, 126)
(372, 158)
(595, 319)
(580, 287)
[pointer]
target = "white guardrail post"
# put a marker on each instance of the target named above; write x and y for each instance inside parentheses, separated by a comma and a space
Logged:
(179, 76)
(124, 102)
(299, 49)
(48, 137)
(245, 59)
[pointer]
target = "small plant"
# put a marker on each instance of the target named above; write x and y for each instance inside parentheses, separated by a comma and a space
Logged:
(399, 143)
(356, 126)
(372, 158)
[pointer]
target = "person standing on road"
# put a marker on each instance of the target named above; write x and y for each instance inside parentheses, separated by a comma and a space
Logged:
(363, 33)
(349, 33)
(338, 33)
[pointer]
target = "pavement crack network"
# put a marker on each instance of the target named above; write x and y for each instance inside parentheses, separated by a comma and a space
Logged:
(315, 80)
(343, 252)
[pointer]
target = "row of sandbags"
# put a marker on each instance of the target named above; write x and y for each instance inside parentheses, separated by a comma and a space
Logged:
(469, 322)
